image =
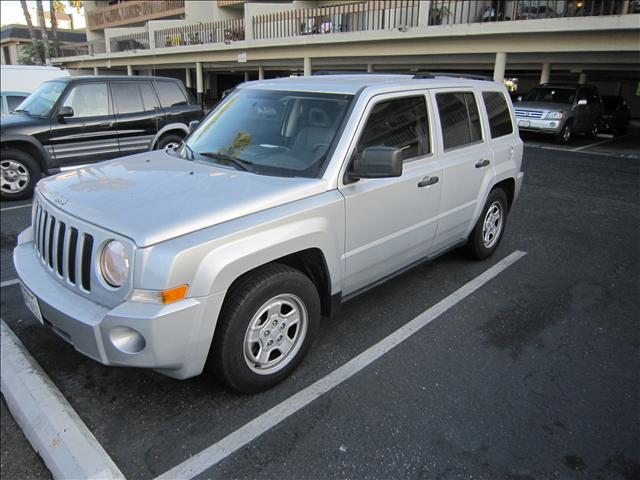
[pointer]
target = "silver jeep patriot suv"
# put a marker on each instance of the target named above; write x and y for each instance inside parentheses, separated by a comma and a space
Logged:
(291, 196)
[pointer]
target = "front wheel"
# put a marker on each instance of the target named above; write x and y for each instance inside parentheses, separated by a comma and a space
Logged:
(19, 174)
(266, 326)
(565, 134)
(487, 233)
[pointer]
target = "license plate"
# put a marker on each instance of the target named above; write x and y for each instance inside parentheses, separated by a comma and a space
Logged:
(524, 123)
(31, 302)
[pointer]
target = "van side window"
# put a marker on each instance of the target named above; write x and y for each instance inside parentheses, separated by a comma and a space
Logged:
(401, 123)
(498, 113)
(171, 95)
(459, 119)
(128, 98)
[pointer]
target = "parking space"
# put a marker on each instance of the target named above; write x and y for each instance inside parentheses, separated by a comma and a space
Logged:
(534, 375)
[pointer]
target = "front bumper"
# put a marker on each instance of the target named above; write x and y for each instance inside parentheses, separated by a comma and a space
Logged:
(541, 126)
(176, 337)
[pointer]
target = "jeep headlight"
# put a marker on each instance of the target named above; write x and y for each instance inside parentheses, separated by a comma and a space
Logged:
(114, 263)
(553, 115)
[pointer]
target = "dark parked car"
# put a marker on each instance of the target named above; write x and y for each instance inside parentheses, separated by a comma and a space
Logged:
(78, 120)
(616, 114)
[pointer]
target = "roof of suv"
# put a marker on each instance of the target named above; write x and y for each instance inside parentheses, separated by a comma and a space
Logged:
(351, 84)
(109, 77)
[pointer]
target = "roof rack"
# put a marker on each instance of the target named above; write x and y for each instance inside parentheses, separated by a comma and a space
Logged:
(470, 76)
(354, 72)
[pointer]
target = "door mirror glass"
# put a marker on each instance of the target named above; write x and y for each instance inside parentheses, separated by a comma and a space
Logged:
(582, 101)
(65, 112)
(192, 125)
(378, 162)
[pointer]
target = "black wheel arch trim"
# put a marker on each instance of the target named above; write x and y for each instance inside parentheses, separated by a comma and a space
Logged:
(48, 163)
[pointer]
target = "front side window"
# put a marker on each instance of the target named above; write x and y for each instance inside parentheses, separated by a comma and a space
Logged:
(282, 133)
(459, 119)
(171, 95)
(128, 97)
(498, 113)
(400, 123)
(40, 102)
(88, 100)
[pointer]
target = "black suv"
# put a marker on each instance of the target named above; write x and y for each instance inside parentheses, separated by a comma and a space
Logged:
(77, 120)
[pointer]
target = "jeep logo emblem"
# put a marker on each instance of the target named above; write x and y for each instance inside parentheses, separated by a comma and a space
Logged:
(60, 199)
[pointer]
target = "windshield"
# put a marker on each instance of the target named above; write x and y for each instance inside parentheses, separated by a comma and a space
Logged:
(40, 102)
(280, 133)
(553, 95)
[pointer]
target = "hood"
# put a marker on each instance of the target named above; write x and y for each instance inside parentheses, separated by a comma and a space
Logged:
(155, 196)
(8, 120)
(543, 106)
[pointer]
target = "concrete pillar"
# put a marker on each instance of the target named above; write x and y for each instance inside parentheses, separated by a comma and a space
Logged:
(500, 65)
(199, 82)
(129, 70)
(307, 66)
(369, 67)
(188, 77)
(214, 85)
(582, 79)
(246, 76)
(95, 70)
(545, 75)
(260, 73)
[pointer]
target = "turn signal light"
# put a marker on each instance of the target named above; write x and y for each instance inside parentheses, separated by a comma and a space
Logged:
(174, 294)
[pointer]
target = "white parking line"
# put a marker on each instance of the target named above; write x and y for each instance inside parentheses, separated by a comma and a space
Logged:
(233, 442)
(52, 427)
(8, 283)
(6, 209)
(577, 149)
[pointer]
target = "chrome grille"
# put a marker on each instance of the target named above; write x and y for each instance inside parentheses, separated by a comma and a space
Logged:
(62, 248)
(537, 114)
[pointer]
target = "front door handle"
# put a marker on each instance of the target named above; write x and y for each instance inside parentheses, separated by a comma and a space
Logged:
(426, 181)
(483, 163)
(106, 125)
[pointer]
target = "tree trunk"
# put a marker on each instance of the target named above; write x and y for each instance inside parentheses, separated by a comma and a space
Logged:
(54, 27)
(32, 31)
(43, 30)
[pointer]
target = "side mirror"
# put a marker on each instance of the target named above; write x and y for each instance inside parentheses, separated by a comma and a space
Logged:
(192, 125)
(65, 112)
(378, 162)
(519, 98)
(582, 102)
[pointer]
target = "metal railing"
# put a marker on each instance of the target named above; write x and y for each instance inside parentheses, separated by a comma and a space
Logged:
(133, 11)
(223, 31)
(349, 17)
(230, 3)
(78, 49)
(453, 12)
(131, 41)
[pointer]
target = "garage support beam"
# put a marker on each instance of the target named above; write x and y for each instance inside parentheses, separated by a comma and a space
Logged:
(246, 76)
(307, 66)
(199, 82)
(369, 67)
(129, 70)
(582, 79)
(545, 75)
(188, 78)
(261, 73)
(499, 67)
(95, 70)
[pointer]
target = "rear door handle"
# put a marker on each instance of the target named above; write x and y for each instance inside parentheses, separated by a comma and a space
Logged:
(426, 181)
(106, 125)
(483, 163)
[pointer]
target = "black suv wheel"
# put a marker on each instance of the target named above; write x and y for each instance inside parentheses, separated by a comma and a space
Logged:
(19, 173)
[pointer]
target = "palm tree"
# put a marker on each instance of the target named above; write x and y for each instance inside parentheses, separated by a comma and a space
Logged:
(32, 31)
(54, 26)
(43, 30)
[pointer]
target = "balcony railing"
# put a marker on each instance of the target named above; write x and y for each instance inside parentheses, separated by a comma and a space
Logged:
(349, 17)
(134, 11)
(131, 41)
(230, 3)
(447, 12)
(224, 31)
(79, 49)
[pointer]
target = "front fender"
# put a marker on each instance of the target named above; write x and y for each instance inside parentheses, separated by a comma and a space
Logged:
(49, 164)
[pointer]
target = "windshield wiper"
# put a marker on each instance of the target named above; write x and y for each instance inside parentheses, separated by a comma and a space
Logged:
(240, 164)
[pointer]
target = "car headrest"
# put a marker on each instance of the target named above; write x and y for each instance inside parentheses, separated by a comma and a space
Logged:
(318, 118)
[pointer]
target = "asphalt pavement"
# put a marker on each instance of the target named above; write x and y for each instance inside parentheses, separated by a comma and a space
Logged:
(533, 376)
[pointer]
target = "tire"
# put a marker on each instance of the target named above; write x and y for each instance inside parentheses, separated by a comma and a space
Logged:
(565, 134)
(19, 173)
(479, 247)
(167, 140)
(594, 130)
(245, 328)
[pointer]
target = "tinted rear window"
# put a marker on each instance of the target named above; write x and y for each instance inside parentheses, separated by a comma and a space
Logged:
(171, 95)
(498, 113)
(128, 98)
(459, 119)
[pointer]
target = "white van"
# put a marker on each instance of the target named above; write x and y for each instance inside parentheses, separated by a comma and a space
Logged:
(19, 81)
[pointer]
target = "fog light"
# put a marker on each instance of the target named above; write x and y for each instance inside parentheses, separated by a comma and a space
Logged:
(127, 339)
(553, 124)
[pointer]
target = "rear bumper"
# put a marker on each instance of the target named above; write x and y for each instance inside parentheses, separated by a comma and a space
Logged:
(173, 339)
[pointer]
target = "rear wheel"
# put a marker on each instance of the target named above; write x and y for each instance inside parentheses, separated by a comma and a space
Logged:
(19, 173)
(594, 130)
(169, 141)
(487, 233)
(266, 326)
